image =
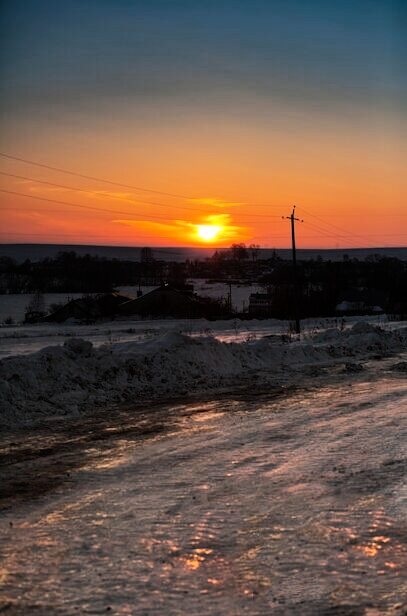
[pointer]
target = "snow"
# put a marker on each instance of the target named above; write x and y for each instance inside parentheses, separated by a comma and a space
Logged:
(219, 290)
(17, 339)
(282, 505)
(68, 379)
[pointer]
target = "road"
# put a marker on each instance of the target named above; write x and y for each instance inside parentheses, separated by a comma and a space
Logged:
(284, 502)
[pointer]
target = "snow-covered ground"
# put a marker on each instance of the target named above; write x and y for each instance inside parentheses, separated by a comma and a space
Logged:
(273, 484)
(265, 505)
(21, 339)
(70, 378)
(240, 293)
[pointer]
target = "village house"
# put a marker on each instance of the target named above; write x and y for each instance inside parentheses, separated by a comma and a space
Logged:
(89, 308)
(361, 301)
(174, 302)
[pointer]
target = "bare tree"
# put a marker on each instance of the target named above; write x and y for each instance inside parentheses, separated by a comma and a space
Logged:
(254, 250)
(239, 252)
(35, 309)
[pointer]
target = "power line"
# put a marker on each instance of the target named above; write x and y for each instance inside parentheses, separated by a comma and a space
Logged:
(114, 183)
(118, 198)
(138, 188)
(347, 234)
(144, 237)
(86, 207)
(94, 193)
(330, 234)
(331, 225)
(353, 240)
(107, 236)
(154, 237)
(90, 177)
(99, 209)
(322, 231)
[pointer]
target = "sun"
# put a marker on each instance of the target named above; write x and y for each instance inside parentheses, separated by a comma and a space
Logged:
(208, 233)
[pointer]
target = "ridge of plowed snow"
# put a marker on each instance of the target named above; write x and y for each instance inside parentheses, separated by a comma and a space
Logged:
(64, 380)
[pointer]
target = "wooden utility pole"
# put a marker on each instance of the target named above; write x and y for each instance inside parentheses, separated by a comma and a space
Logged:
(230, 297)
(293, 219)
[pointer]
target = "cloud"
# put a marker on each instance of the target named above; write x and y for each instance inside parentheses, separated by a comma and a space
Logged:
(212, 202)
(186, 230)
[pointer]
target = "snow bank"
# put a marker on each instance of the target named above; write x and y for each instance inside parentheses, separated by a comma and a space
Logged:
(65, 380)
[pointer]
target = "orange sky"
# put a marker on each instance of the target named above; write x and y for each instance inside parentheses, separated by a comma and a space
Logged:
(348, 184)
(240, 112)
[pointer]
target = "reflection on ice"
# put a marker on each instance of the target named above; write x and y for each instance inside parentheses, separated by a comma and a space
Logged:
(282, 510)
(196, 558)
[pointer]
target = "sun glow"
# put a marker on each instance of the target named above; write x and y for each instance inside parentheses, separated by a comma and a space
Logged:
(208, 233)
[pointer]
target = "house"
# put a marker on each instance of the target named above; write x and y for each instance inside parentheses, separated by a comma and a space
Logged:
(361, 301)
(350, 307)
(88, 308)
(172, 302)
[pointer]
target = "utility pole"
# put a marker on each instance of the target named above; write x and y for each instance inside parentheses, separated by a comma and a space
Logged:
(293, 220)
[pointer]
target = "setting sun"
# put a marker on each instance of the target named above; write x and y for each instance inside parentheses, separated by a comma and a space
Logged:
(208, 232)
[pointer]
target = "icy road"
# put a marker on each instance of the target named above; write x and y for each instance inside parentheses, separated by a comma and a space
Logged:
(285, 502)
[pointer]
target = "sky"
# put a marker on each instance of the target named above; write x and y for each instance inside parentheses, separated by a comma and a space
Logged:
(186, 122)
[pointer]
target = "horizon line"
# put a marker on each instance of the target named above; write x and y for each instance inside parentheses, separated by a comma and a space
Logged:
(214, 248)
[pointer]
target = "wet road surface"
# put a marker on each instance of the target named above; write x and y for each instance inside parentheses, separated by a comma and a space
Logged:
(285, 502)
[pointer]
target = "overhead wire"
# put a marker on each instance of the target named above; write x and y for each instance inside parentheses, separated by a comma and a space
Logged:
(114, 183)
(336, 227)
(81, 206)
(102, 195)
(90, 177)
(344, 233)
(114, 211)
(328, 233)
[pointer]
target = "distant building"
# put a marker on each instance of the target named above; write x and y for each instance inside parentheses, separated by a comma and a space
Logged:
(89, 308)
(347, 307)
(169, 301)
(361, 301)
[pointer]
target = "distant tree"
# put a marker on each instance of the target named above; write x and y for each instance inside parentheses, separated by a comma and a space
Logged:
(146, 255)
(239, 252)
(35, 309)
(56, 306)
(254, 250)
(221, 255)
(7, 264)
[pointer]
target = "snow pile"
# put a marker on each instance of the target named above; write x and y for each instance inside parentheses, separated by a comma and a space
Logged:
(361, 339)
(64, 380)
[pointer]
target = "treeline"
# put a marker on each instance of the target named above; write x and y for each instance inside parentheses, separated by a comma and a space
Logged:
(67, 272)
(376, 282)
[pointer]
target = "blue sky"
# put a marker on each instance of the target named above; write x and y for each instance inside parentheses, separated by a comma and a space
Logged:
(78, 53)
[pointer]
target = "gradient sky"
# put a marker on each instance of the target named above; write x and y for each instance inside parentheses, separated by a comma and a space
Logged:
(235, 109)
